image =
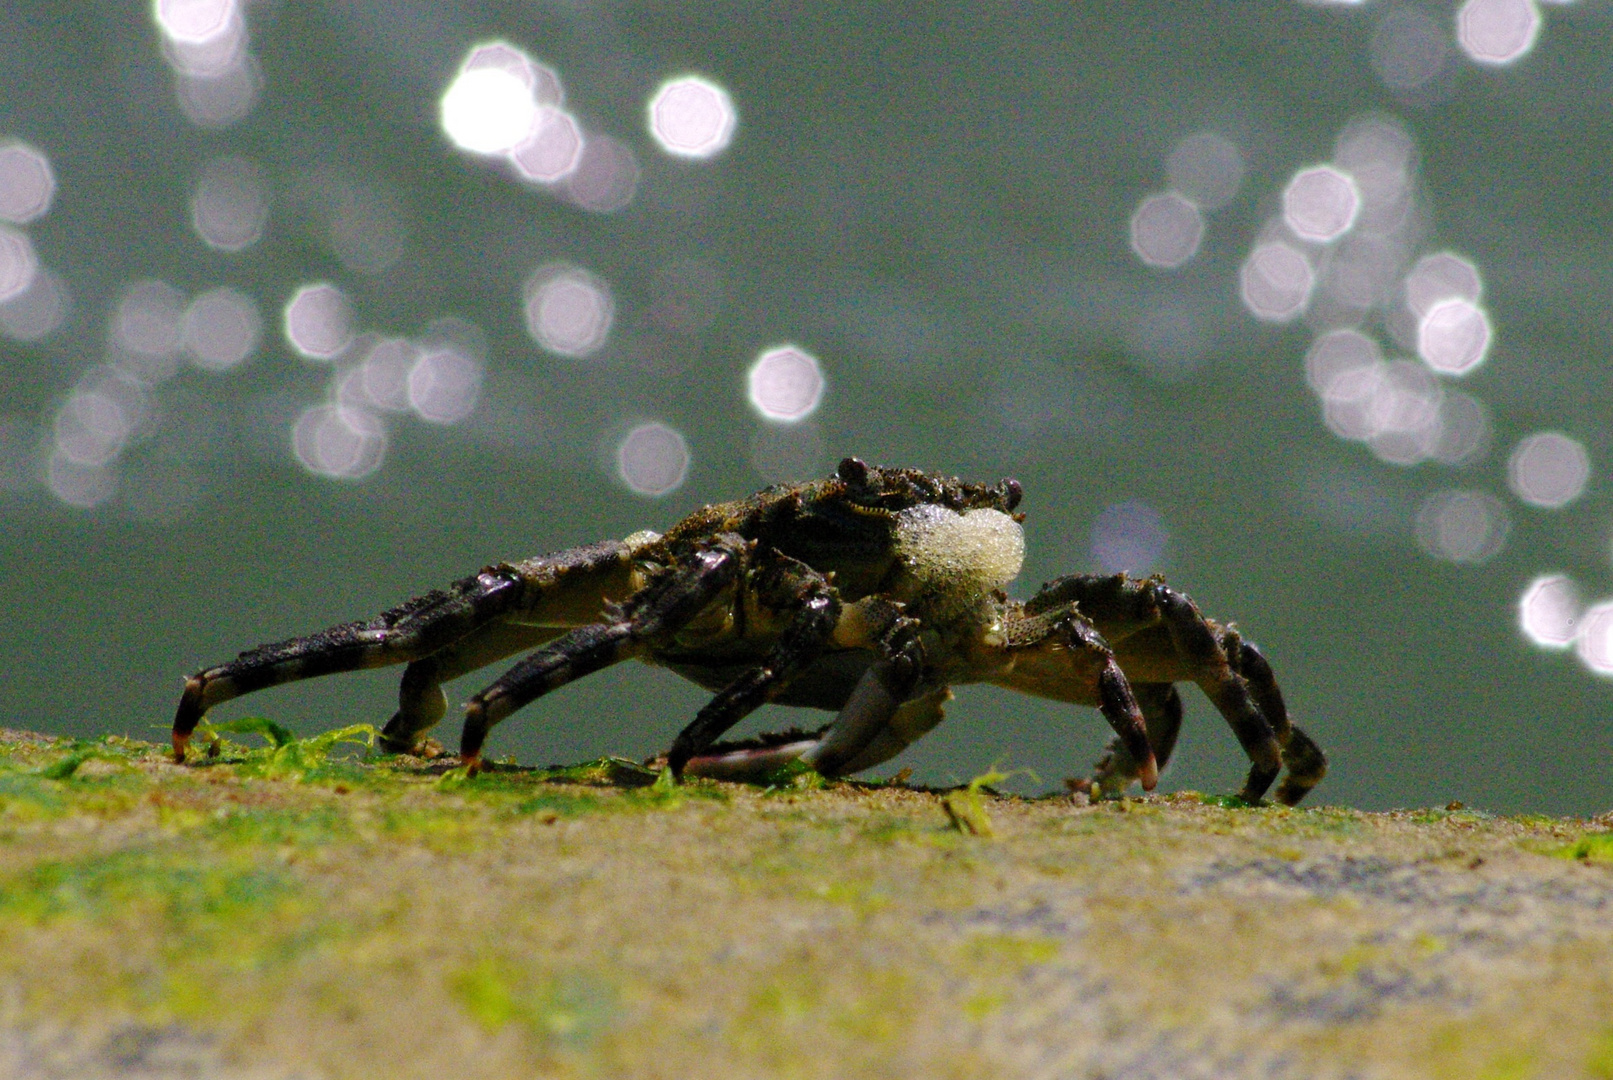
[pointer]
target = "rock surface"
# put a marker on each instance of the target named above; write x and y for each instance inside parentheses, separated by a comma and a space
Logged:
(276, 912)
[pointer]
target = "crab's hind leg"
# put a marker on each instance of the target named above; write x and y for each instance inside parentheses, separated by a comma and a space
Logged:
(817, 611)
(887, 683)
(663, 608)
(755, 762)
(1304, 759)
(560, 588)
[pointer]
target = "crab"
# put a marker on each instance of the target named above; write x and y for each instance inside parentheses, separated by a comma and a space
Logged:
(868, 594)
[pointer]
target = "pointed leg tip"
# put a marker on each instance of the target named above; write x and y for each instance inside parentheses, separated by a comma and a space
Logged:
(1148, 775)
(180, 742)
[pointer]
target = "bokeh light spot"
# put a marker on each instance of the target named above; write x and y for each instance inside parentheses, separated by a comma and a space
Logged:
(786, 383)
(552, 150)
(150, 319)
(444, 385)
(487, 110)
(1594, 646)
(652, 459)
(1464, 429)
(1336, 354)
(1128, 537)
(1207, 168)
(1462, 526)
(540, 80)
(230, 207)
(222, 328)
(1454, 336)
(318, 321)
(692, 117)
(1166, 230)
(1497, 31)
(383, 374)
(1276, 282)
(568, 310)
(194, 22)
(605, 178)
(37, 311)
(339, 441)
(27, 183)
(1548, 469)
(1440, 277)
(219, 100)
(1408, 50)
(1321, 203)
(1549, 611)
(18, 263)
(83, 487)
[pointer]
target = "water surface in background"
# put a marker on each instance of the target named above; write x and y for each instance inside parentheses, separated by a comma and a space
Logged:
(308, 309)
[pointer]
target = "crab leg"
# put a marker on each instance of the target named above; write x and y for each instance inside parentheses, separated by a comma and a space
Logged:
(1159, 635)
(1162, 714)
(564, 589)
(662, 609)
(871, 623)
(809, 631)
(1304, 759)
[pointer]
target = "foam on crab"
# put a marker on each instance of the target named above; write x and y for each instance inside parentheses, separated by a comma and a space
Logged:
(962, 555)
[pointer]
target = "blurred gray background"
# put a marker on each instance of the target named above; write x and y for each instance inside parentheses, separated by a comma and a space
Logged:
(309, 308)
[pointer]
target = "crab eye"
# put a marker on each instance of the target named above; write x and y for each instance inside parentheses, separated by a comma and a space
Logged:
(1012, 492)
(853, 472)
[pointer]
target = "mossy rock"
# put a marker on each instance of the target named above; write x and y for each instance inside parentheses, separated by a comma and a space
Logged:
(280, 912)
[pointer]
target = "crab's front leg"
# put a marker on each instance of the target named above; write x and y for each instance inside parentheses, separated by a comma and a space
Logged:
(503, 609)
(1160, 637)
(1055, 653)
